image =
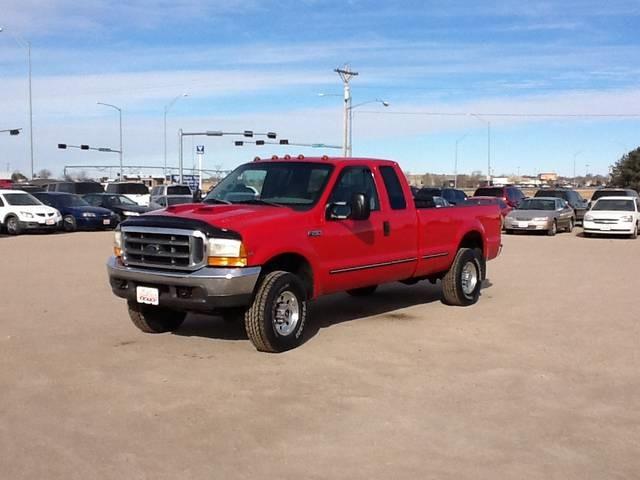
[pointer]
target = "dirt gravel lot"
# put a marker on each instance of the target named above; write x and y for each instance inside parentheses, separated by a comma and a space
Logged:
(540, 379)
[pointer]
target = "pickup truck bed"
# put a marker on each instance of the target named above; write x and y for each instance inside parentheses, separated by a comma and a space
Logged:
(276, 234)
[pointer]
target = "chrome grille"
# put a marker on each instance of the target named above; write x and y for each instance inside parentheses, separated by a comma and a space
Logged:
(163, 248)
(606, 221)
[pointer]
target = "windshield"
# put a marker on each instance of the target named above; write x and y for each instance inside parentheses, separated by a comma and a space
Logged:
(178, 200)
(68, 201)
(614, 205)
(128, 188)
(120, 200)
(537, 204)
(296, 184)
(21, 199)
(489, 192)
(178, 190)
(551, 193)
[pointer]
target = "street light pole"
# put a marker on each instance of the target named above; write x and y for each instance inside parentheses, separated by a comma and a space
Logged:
(384, 103)
(167, 107)
(28, 46)
(455, 164)
(120, 121)
(488, 145)
(346, 74)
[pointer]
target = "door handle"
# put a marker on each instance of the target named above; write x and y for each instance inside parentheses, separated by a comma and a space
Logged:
(386, 228)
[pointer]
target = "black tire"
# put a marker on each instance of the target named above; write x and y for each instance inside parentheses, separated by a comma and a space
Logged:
(152, 319)
(508, 231)
(587, 234)
(570, 225)
(69, 223)
(554, 229)
(455, 289)
(261, 323)
(12, 225)
(634, 235)
(362, 292)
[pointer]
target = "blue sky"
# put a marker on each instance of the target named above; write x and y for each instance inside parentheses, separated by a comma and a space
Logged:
(260, 64)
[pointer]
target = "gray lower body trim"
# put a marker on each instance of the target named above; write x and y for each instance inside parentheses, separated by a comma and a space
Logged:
(435, 255)
(203, 290)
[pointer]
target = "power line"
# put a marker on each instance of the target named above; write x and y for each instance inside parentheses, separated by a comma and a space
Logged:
(523, 115)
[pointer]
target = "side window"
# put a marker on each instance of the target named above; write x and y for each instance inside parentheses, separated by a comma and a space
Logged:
(355, 180)
(162, 201)
(460, 196)
(92, 201)
(394, 188)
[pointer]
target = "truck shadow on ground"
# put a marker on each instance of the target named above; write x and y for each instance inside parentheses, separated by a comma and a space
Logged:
(331, 310)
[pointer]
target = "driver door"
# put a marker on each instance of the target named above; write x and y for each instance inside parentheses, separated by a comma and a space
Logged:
(348, 248)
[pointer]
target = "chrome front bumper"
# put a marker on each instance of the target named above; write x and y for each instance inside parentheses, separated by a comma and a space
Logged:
(206, 289)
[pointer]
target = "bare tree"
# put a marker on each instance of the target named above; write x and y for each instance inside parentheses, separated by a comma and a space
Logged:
(44, 173)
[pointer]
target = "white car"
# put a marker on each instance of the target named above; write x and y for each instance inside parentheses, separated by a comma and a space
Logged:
(136, 191)
(613, 215)
(20, 211)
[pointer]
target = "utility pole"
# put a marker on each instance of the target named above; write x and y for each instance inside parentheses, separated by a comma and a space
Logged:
(346, 74)
(455, 164)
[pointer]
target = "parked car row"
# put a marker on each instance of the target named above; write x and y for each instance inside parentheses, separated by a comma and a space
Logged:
(53, 210)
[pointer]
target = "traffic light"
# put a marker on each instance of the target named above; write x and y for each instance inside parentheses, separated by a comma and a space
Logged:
(259, 142)
(248, 133)
(84, 147)
(15, 131)
(62, 146)
(284, 142)
(271, 135)
(238, 143)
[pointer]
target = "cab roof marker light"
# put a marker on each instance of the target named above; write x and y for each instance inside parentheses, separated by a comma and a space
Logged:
(256, 159)
(287, 157)
(274, 157)
(300, 157)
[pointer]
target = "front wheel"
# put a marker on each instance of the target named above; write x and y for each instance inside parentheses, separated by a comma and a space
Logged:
(13, 226)
(461, 284)
(276, 319)
(634, 234)
(553, 230)
(152, 319)
(69, 223)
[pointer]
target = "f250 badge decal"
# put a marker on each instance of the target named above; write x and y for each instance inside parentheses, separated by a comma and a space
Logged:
(314, 233)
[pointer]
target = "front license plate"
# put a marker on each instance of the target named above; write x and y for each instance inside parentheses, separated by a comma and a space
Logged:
(50, 222)
(606, 228)
(150, 296)
(106, 222)
(523, 224)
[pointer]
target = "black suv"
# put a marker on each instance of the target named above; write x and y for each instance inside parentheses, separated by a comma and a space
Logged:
(511, 195)
(451, 195)
(612, 192)
(573, 198)
(78, 188)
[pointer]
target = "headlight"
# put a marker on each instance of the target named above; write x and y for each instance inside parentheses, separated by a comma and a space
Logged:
(540, 219)
(89, 215)
(588, 217)
(626, 218)
(130, 214)
(26, 214)
(117, 243)
(224, 252)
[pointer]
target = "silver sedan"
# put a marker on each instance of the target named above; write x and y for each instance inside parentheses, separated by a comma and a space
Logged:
(548, 214)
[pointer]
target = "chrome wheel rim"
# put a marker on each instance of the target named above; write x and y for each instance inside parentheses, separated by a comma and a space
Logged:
(286, 313)
(11, 225)
(469, 278)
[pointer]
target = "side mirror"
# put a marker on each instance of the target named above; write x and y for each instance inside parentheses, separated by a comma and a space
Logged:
(360, 207)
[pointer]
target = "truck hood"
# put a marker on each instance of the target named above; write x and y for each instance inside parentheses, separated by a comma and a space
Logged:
(239, 217)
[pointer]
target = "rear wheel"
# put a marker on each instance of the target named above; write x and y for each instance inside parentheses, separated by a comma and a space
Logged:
(634, 234)
(570, 225)
(554, 229)
(69, 223)
(13, 226)
(362, 292)
(461, 284)
(276, 319)
(152, 319)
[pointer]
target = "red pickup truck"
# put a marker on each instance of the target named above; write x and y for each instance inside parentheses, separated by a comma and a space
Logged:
(277, 233)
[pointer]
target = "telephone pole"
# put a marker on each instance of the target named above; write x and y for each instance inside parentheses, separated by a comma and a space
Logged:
(346, 74)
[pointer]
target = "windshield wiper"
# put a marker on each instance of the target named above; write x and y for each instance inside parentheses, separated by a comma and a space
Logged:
(259, 201)
(216, 200)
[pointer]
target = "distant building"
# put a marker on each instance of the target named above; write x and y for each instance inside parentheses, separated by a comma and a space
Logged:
(415, 179)
(549, 177)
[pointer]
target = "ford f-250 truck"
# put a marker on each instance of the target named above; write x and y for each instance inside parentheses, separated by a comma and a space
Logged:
(277, 233)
